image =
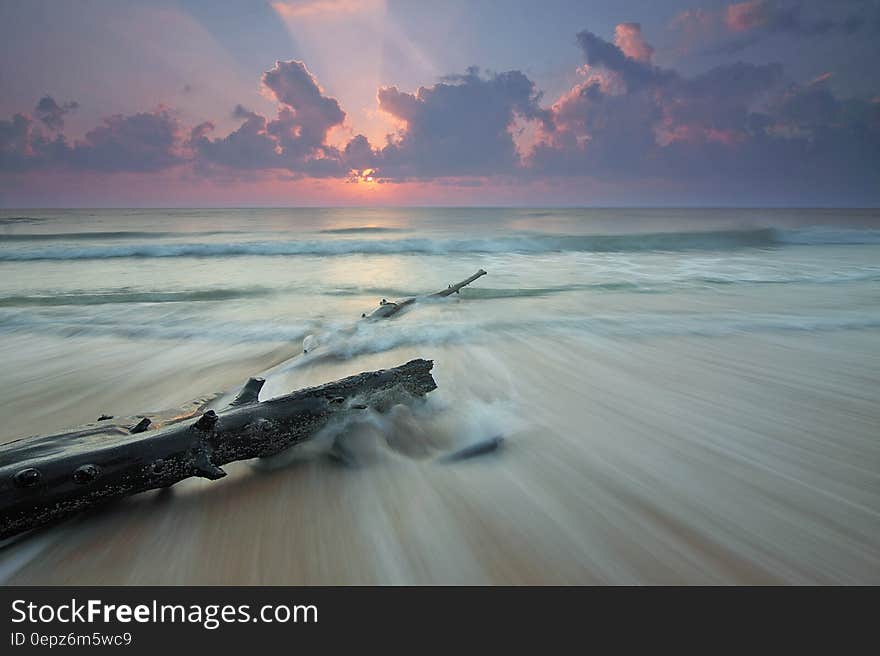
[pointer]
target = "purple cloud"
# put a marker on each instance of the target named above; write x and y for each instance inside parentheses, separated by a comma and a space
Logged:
(795, 17)
(737, 26)
(143, 142)
(458, 127)
(600, 53)
(315, 113)
(52, 114)
(295, 140)
(24, 147)
(737, 125)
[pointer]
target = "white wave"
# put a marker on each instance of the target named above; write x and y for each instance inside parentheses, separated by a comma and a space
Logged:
(523, 243)
(822, 235)
(348, 342)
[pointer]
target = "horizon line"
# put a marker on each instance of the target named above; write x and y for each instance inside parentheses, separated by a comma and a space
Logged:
(464, 207)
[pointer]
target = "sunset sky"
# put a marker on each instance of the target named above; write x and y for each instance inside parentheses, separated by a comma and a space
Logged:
(496, 102)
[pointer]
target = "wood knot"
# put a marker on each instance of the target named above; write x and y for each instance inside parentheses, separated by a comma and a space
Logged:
(207, 421)
(27, 477)
(86, 474)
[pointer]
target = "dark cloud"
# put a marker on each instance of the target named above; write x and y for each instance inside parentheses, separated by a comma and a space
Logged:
(359, 154)
(296, 139)
(809, 107)
(740, 127)
(24, 147)
(144, 142)
(599, 52)
(248, 147)
(460, 126)
(296, 88)
(798, 17)
(740, 25)
(51, 113)
(15, 142)
(241, 112)
(735, 126)
(721, 98)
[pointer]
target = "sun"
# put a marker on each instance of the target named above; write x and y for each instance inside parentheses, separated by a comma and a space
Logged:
(365, 176)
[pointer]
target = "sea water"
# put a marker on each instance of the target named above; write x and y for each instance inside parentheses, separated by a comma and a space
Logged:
(684, 395)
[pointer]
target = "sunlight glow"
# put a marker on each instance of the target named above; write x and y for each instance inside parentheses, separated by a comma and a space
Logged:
(363, 32)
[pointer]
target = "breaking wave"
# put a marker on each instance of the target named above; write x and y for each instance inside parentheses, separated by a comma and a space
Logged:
(129, 296)
(16, 220)
(348, 341)
(522, 243)
(646, 285)
(177, 326)
(116, 234)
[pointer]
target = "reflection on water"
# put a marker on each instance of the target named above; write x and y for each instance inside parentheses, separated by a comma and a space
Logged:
(695, 407)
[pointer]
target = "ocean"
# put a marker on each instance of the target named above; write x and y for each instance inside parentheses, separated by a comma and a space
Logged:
(684, 395)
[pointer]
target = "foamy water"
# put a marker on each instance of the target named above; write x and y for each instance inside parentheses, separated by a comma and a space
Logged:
(684, 395)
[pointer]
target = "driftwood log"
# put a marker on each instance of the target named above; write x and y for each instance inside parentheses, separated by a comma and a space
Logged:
(47, 478)
(390, 308)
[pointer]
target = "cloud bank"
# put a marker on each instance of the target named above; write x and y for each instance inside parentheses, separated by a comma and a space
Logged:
(626, 120)
(738, 26)
(294, 140)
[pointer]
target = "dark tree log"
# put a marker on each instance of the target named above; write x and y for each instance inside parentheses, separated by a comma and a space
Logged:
(110, 425)
(48, 478)
(97, 433)
(390, 308)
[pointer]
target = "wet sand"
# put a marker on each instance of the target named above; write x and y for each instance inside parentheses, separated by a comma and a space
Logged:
(737, 459)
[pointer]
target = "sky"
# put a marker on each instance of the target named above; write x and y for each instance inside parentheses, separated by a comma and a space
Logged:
(181, 103)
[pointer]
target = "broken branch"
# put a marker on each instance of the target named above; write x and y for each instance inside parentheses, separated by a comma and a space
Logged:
(389, 308)
(47, 478)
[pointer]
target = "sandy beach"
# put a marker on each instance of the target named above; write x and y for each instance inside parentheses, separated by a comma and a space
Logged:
(664, 461)
(700, 414)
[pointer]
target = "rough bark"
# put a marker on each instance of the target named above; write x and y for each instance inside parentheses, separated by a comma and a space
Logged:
(47, 478)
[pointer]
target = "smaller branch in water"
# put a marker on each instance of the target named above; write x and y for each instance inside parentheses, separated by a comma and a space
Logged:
(389, 308)
(385, 310)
